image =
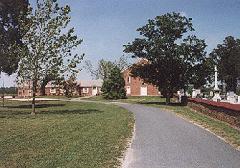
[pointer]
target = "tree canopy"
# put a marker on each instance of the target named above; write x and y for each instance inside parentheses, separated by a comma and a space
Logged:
(10, 33)
(174, 56)
(227, 57)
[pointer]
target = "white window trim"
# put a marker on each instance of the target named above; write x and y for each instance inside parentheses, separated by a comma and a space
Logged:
(129, 79)
(85, 90)
(53, 90)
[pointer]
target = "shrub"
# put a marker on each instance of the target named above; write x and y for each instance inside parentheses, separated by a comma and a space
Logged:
(114, 86)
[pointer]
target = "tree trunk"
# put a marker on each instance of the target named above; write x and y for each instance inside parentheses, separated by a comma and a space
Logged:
(42, 89)
(232, 84)
(168, 99)
(34, 97)
(3, 103)
(3, 97)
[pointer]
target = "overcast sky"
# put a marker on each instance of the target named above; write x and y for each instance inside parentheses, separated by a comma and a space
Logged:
(106, 25)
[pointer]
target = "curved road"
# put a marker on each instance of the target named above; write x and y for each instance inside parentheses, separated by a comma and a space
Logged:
(163, 140)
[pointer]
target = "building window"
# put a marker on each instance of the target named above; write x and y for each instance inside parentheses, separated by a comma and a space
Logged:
(129, 79)
(53, 91)
(85, 90)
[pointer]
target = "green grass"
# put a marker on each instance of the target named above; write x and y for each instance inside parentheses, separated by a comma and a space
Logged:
(131, 99)
(222, 129)
(63, 134)
(53, 97)
(94, 98)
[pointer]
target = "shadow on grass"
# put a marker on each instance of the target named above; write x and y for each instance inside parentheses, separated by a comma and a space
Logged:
(26, 114)
(76, 111)
(29, 106)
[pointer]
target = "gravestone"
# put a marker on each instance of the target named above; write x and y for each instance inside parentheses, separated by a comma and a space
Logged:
(180, 93)
(196, 92)
(211, 94)
(231, 97)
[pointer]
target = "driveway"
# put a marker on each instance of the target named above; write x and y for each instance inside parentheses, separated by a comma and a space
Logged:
(163, 140)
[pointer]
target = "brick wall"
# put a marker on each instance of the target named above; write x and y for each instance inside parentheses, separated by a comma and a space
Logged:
(135, 84)
(227, 112)
(89, 91)
(26, 92)
(54, 91)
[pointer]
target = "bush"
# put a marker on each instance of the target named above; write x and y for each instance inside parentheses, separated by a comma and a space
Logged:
(114, 86)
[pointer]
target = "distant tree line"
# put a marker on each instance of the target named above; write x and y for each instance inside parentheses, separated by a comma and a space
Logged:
(8, 91)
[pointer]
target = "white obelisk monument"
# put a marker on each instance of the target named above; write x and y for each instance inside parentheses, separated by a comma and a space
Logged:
(216, 89)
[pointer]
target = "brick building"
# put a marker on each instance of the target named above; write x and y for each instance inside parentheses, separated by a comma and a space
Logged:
(25, 89)
(51, 89)
(89, 87)
(83, 88)
(136, 87)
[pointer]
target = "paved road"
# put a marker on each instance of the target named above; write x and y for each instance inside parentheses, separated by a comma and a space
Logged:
(163, 140)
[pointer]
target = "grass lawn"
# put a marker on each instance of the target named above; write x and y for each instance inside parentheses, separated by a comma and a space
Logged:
(96, 98)
(220, 128)
(53, 97)
(63, 134)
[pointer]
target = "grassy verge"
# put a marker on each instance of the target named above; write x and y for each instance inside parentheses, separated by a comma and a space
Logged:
(222, 129)
(63, 134)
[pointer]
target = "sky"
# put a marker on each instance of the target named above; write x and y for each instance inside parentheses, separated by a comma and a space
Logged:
(106, 25)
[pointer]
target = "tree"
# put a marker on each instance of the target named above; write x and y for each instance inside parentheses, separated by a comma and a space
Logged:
(49, 76)
(70, 86)
(197, 67)
(172, 62)
(227, 57)
(114, 86)
(49, 44)
(10, 33)
(104, 67)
